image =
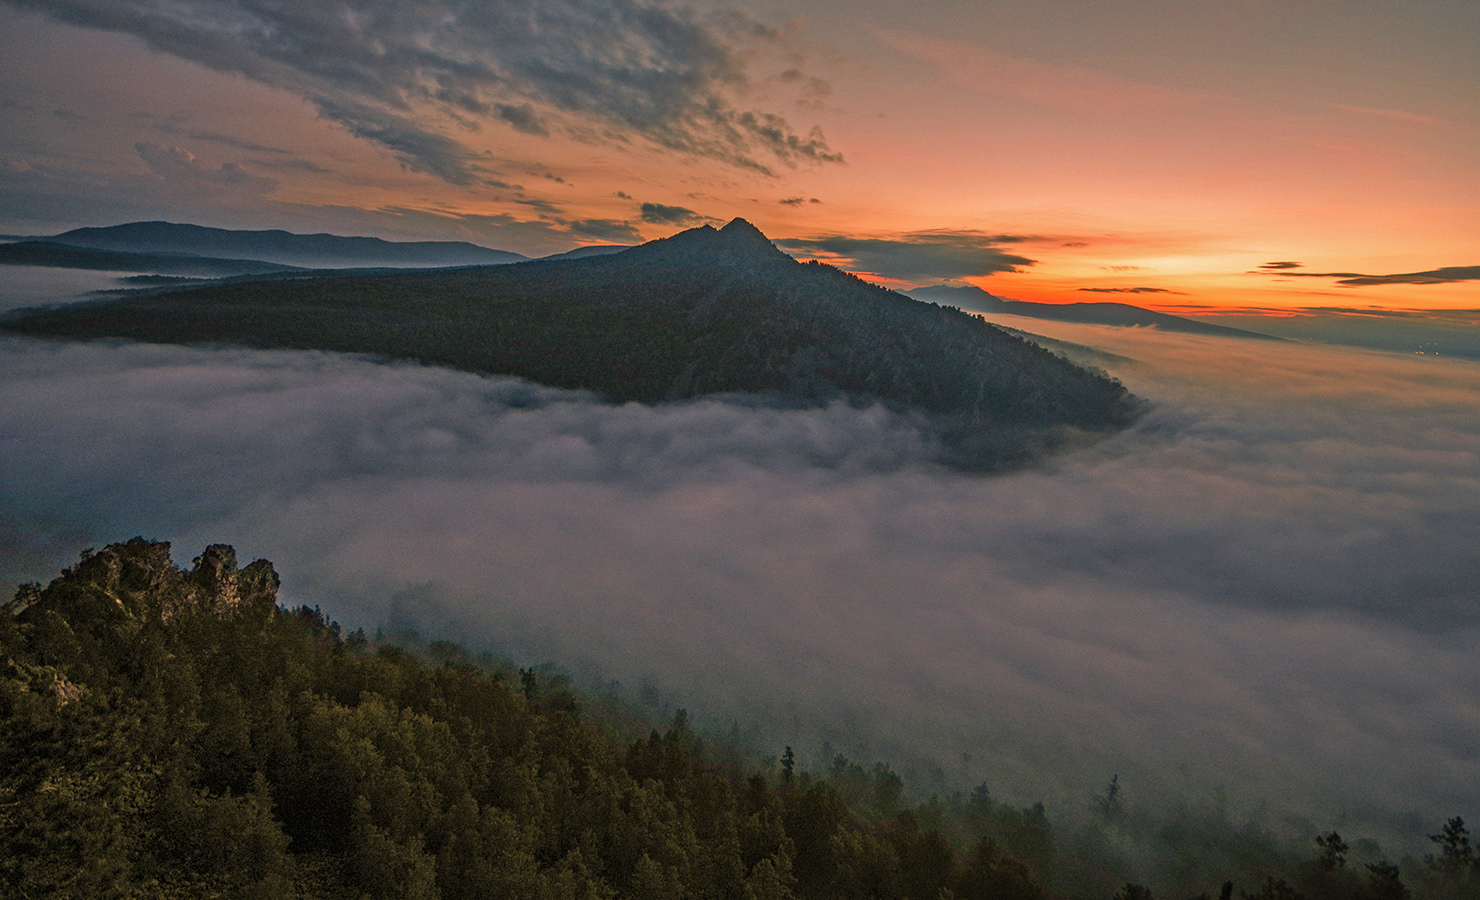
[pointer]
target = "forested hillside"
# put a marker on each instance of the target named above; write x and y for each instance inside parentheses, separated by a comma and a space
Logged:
(172, 734)
(704, 312)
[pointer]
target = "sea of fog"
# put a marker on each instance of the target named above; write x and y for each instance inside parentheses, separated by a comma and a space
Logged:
(1264, 595)
(22, 286)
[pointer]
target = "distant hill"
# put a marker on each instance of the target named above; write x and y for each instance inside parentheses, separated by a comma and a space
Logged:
(302, 250)
(583, 252)
(703, 312)
(63, 256)
(974, 299)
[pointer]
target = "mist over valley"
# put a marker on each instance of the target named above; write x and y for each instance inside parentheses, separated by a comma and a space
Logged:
(1259, 595)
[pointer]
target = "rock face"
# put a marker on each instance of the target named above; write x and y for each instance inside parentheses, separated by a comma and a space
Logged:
(139, 579)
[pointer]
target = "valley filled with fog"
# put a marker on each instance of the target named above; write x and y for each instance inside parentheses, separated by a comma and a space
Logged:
(1262, 595)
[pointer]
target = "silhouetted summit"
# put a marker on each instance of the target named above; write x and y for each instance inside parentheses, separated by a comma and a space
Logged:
(703, 312)
(737, 244)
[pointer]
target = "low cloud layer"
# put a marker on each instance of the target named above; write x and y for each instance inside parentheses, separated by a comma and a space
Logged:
(1445, 275)
(1267, 586)
(399, 74)
(918, 257)
(1129, 290)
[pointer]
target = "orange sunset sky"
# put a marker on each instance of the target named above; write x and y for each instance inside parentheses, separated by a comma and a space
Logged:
(1177, 155)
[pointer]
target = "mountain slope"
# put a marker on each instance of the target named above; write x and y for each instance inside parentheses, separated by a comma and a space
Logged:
(171, 734)
(974, 299)
(65, 256)
(304, 250)
(703, 312)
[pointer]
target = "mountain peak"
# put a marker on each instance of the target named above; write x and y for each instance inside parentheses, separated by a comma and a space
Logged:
(740, 233)
(738, 242)
(740, 227)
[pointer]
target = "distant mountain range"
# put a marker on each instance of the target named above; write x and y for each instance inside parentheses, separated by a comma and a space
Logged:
(704, 312)
(974, 299)
(313, 251)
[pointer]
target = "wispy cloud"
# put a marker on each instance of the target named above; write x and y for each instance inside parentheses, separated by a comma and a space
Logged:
(614, 230)
(1399, 116)
(920, 256)
(1445, 275)
(1073, 89)
(180, 167)
(397, 73)
(1130, 290)
(223, 139)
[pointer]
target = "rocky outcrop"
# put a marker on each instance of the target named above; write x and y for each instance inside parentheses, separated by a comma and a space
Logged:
(215, 580)
(139, 579)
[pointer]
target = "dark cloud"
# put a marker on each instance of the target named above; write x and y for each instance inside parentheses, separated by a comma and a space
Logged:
(543, 206)
(522, 118)
(1234, 593)
(659, 214)
(815, 91)
(417, 148)
(797, 201)
(180, 167)
(299, 165)
(1134, 290)
(173, 128)
(920, 256)
(1446, 275)
(1282, 265)
(614, 230)
(236, 142)
(395, 73)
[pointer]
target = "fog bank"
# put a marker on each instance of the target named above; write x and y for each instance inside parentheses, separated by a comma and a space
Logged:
(1267, 585)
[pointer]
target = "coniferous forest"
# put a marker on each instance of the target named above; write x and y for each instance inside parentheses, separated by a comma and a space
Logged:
(166, 733)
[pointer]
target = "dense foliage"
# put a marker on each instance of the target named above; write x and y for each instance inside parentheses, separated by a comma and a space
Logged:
(166, 734)
(704, 312)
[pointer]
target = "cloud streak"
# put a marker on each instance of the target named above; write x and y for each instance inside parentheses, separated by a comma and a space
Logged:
(921, 256)
(1132, 290)
(1267, 585)
(662, 214)
(1445, 275)
(397, 74)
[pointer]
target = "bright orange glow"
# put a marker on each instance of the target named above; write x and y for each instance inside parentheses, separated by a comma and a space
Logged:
(1150, 160)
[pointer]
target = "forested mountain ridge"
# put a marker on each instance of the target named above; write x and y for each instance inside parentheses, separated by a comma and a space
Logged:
(166, 734)
(701, 313)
